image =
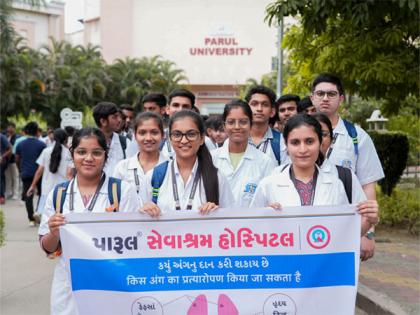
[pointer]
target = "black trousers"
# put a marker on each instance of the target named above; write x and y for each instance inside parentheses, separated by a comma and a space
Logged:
(29, 203)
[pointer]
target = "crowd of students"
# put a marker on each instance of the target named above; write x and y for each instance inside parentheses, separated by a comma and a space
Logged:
(261, 152)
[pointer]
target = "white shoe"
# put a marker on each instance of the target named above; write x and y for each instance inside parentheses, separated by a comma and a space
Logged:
(15, 198)
(32, 223)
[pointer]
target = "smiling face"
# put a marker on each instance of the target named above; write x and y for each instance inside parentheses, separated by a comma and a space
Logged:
(89, 158)
(237, 126)
(261, 108)
(185, 137)
(177, 104)
(148, 136)
(303, 146)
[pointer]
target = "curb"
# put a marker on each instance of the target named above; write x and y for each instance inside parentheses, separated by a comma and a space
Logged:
(373, 302)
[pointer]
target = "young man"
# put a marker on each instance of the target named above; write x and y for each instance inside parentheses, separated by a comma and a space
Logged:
(5, 153)
(262, 101)
(127, 117)
(12, 172)
(305, 106)
(286, 108)
(216, 134)
(154, 102)
(27, 152)
(108, 119)
(178, 100)
(352, 147)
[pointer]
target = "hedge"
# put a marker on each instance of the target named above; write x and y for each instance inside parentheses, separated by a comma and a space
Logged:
(392, 148)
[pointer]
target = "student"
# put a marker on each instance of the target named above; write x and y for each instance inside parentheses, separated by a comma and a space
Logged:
(148, 132)
(5, 153)
(178, 100)
(215, 131)
(127, 115)
(242, 164)
(27, 152)
(53, 167)
(305, 106)
(154, 102)
(108, 120)
(262, 102)
(199, 186)
(352, 147)
(302, 182)
(12, 172)
(286, 108)
(87, 192)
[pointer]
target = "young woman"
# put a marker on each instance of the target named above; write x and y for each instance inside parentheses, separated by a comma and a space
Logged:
(148, 131)
(190, 181)
(242, 164)
(303, 182)
(88, 191)
(53, 166)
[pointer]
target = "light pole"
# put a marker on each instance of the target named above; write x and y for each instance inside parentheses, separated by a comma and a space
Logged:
(279, 89)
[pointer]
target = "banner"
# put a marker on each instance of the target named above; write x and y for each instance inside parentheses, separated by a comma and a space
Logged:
(302, 260)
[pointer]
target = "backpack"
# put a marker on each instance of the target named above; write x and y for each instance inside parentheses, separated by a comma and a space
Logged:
(352, 132)
(158, 176)
(275, 144)
(114, 194)
(344, 174)
(123, 141)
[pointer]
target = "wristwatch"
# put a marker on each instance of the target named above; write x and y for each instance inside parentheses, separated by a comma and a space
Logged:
(370, 235)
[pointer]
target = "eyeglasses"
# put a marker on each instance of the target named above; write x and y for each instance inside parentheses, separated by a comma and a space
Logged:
(191, 135)
(95, 153)
(321, 94)
(240, 122)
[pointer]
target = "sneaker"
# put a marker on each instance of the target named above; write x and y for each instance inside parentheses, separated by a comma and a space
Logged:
(2, 201)
(37, 218)
(32, 223)
(15, 197)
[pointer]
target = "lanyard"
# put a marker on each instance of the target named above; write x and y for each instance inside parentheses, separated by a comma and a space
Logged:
(168, 144)
(94, 198)
(332, 145)
(136, 179)
(314, 179)
(175, 188)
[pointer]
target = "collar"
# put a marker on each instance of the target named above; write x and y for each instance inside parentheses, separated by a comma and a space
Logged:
(284, 179)
(340, 128)
(133, 162)
(268, 135)
(103, 190)
(194, 169)
(224, 151)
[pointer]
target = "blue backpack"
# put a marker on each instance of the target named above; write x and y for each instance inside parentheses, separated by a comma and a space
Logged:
(158, 176)
(275, 144)
(114, 194)
(352, 132)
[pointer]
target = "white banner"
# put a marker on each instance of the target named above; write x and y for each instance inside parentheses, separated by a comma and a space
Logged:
(301, 260)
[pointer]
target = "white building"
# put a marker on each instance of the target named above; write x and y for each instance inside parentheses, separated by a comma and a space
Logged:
(218, 43)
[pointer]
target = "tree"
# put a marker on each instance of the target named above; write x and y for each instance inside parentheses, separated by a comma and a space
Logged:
(373, 45)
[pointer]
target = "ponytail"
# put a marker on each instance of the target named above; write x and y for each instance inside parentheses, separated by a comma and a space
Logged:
(60, 137)
(208, 174)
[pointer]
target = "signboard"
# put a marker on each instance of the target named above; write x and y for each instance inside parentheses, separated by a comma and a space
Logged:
(244, 261)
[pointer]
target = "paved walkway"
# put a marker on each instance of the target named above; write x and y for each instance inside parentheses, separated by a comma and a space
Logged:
(26, 274)
(394, 272)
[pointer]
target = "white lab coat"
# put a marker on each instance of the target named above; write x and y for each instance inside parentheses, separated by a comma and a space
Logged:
(254, 166)
(366, 165)
(126, 170)
(166, 201)
(115, 153)
(62, 301)
(279, 188)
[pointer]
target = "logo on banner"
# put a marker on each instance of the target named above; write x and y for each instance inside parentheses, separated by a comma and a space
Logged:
(318, 236)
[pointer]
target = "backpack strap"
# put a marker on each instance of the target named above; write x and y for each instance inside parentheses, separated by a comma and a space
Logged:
(114, 193)
(344, 174)
(352, 132)
(123, 141)
(275, 144)
(59, 196)
(158, 176)
(162, 144)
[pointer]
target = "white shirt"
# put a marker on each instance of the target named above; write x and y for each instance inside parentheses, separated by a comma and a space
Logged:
(49, 180)
(115, 153)
(366, 165)
(210, 144)
(166, 201)
(167, 148)
(62, 301)
(253, 166)
(279, 188)
(265, 146)
(131, 168)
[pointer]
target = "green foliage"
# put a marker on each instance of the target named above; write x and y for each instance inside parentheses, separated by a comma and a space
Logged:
(393, 159)
(359, 110)
(2, 232)
(342, 37)
(401, 209)
(20, 120)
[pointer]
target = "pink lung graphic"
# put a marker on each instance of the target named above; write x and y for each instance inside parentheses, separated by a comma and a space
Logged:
(226, 306)
(199, 306)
